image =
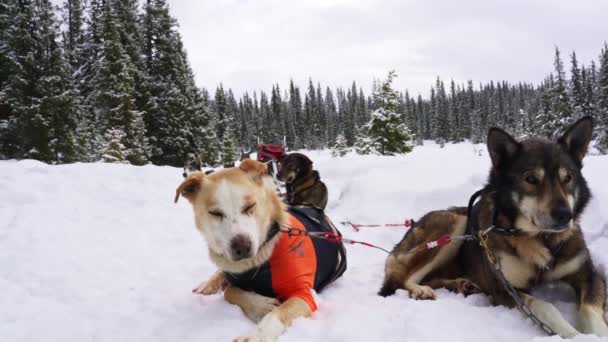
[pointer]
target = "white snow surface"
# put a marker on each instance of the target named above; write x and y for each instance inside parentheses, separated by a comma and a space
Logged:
(99, 252)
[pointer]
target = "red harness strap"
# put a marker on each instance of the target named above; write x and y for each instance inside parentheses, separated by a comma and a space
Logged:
(356, 226)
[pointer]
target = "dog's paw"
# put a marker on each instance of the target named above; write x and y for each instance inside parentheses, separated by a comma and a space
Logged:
(254, 337)
(260, 307)
(207, 288)
(420, 292)
(467, 287)
(541, 257)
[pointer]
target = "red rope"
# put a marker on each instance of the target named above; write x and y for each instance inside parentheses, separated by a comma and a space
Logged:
(327, 236)
(356, 226)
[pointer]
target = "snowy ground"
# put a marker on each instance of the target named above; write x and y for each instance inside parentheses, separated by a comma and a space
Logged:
(98, 252)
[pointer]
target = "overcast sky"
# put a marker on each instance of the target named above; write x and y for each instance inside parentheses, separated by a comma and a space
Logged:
(250, 44)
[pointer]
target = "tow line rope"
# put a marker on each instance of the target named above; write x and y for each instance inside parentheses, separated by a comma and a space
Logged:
(335, 238)
(327, 236)
(356, 226)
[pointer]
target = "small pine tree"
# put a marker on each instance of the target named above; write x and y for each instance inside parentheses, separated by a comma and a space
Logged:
(602, 101)
(340, 148)
(363, 143)
(388, 134)
(114, 150)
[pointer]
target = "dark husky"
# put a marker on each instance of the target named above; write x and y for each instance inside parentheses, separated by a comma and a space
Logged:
(536, 189)
(303, 184)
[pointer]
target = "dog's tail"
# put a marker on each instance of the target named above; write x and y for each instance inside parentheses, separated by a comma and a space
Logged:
(389, 288)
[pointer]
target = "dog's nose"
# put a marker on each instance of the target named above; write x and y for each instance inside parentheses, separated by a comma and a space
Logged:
(241, 247)
(561, 215)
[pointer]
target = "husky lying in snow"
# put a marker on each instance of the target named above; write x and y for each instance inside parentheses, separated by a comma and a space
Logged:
(303, 184)
(535, 188)
(268, 274)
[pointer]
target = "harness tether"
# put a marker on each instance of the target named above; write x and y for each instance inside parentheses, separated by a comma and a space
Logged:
(482, 236)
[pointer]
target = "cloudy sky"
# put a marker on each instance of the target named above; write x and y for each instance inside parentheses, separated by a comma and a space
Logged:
(251, 44)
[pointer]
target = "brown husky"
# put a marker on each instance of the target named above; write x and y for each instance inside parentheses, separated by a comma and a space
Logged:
(537, 192)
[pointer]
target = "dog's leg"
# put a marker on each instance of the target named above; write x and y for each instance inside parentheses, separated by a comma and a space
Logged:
(408, 270)
(254, 306)
(549, 315)
(458, 285)
(394, 274)
(275, 323)
(213, 285)
(590, 287)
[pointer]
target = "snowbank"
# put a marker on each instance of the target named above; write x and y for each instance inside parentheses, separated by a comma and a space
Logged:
(98, 252)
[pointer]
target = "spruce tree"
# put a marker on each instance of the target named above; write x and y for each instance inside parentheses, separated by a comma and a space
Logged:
(577, 92)
(558, 113)
(38, 112)
(114, 97)
(602, 101)
(389, 135)
(173, 116)
(340, 149)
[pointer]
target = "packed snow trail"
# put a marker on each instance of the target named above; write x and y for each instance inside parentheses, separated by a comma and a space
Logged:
(99, 252)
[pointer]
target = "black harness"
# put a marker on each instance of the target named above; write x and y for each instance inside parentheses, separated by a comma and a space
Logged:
(473, 229)
(330, 256)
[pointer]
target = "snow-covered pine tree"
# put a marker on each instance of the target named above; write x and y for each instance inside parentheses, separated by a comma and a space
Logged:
(225, 126)
(172, 110)
(333, 123)
(295, 111)
(602, 101)
(363, 143)
(559, 113)
(389, 135)
(131, 38)
(340, 149)
(577, 93)
(114, 91)
(78, 52)
(114, 151)
(38, 112)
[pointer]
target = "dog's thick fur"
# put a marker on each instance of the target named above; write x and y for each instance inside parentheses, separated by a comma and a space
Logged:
(303, 184)
(235, 205)
(536, 187)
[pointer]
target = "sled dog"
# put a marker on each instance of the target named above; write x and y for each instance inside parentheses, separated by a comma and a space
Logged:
(536, 193)
(303, 184)
(269, 274)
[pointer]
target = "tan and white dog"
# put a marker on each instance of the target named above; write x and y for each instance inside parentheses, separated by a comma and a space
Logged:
(238, 211)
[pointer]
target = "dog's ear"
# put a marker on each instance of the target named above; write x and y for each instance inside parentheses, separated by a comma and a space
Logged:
(501, 146)
(307, 161)
(577, 138)
(190, 187)
(254, 168)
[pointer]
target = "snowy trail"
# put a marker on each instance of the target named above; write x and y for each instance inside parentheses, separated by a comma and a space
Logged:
(98, 252)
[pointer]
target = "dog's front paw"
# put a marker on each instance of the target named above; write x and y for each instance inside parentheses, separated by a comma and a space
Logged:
(261, 306)
(420, 291)
(207, 288)
(541, 257)
(255, 337)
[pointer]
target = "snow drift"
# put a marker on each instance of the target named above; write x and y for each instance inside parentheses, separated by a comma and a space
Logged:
(99, 252)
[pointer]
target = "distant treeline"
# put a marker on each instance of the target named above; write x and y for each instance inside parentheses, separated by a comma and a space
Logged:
(110, 80)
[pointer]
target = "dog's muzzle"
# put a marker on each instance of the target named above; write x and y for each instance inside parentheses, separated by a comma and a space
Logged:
(240, 247)
(561, 217)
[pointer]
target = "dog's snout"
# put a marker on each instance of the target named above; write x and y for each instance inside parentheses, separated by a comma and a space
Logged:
(240, 247)
(561, 215)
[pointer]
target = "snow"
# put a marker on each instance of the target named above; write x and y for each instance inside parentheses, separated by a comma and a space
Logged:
(99, 252)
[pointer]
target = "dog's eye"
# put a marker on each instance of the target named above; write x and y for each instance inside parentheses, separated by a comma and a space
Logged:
(248, 210)
(216, 213)
(531, 179)
(567, 179)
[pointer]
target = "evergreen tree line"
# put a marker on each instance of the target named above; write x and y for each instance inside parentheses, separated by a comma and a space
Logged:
(97, 80)
(452, 112)
(110, 80)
